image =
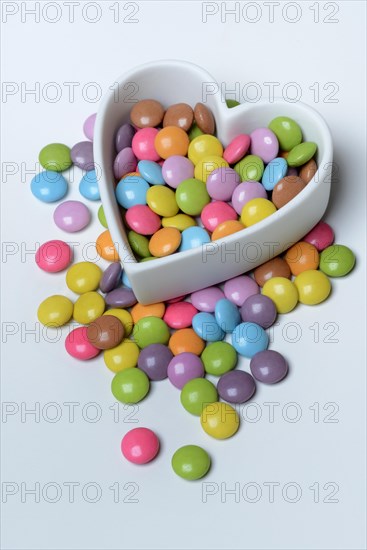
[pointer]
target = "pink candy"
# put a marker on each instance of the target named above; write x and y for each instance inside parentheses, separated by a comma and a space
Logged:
(245, 192)
(221, 183)
(215, 213)
(54, 256)
(140, 445)
(142, 219)
(205, 299)
(237, 148)
(179, 315)
(320, 236)
(88, 127)
(78, 346)
(143, 144)
(238, 289)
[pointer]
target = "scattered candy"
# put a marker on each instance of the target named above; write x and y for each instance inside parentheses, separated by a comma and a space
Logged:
(154, 360)
(236, 386)
(219, 358)
(55, 311)
(219, 420)
(249, 338)
(196, 394)
(72, 216)
(337, 260)
(184, 367)
(88, 308)
(130, 385)
(78, 346)
(191, 462)
(49, 186)
(55, 157)
(54, 256)
(88, 186)
(105, 332)
(268, 366)
(83, 277)
(140, 445)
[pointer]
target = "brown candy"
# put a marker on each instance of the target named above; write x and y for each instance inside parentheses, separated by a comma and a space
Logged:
(204, 119)
(106, 332)
(286, 189)
(308, 171)
(180, 115)
(147, 112)
(277, 267)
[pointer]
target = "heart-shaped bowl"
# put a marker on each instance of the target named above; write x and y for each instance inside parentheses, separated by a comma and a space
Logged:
(171, 81)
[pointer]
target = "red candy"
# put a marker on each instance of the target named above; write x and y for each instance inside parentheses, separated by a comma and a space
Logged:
(179, 315)
(215, 213)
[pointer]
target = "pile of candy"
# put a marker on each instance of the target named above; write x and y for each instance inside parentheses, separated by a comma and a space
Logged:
(184, 339)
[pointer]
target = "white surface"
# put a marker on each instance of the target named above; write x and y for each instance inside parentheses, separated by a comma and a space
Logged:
(171, 513)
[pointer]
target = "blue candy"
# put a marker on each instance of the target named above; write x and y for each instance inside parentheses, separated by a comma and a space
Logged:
(131, 190)
(88, 186)
(125, 280)
(205, 326)
(49, 186)
(249, 338)
(192, 237)
(227, 315)
(151, 172)
(274, 172)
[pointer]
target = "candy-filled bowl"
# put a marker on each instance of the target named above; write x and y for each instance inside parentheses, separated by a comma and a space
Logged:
(171, 82)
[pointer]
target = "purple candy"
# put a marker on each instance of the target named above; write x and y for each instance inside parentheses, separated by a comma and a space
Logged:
(124, 137)
(71, 216)
(264, 144)
(82, 155)
(88, 127)
(238, 289)
(206, 299)
(154, 361)
(125, 162)
(120, 297)
(184, 367)
(110, 277)
(268, 366)
(177, 169)
(236, 386)
(259, 309)
(246, 191)
(221, 183)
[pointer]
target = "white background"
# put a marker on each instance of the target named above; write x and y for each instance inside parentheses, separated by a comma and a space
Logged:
(328, 376)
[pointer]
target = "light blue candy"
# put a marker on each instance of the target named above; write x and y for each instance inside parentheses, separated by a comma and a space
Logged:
(88, 186)
(49, 186)
(249, 338)
(192, 237)
(125, 280)
(205, 326)
(131, 190)
(227, 315)
(151, 172)
(274, 172)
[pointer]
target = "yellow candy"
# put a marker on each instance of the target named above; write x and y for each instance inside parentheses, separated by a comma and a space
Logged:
(313, 287)
(283, 293)
(219, 420)
(83, 277)
(180, 222)
(125, 318)
(88, 308)
(206, 165)
(162, 200)
(55, 311)
(204, 146)
(256, 210)
(124, 356)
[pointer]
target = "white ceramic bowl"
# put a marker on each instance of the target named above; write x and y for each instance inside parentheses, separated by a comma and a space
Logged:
(171, 82)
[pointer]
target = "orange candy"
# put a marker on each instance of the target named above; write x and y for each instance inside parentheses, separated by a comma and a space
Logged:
(186, 340)
(105, 247)
(164, 242)
(153, 310)
(170, 141)
(301, 257)
(227, 228)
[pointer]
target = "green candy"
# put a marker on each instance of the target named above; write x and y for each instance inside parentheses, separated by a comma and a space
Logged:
(337, 260)
(194, 132)
(148, 258)
(219, 358)
(196, 394)
(151, 330)
(191, 462)
(130, 385)
(192, 196)
(55, 157)
(232, 103)
(102, 217)
(250, 167)
(302, 153)
(139, 244)
(288, 132)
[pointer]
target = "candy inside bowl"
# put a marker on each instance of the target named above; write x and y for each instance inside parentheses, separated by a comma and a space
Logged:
(171, 82)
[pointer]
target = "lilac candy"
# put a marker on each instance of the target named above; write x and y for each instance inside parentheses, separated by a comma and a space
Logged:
(238, 289)
(110, 277)
(88, 126)
(82, 155)
(268, 366)
(264, 144)
(183, 368)
(124, 137)
(72, 216)
(246, 191)
(120, 297)
(154, 361)
(236, 386)
(206, 299)
(125, 162)
(221, 183)
(177, 169)
(259, 309)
